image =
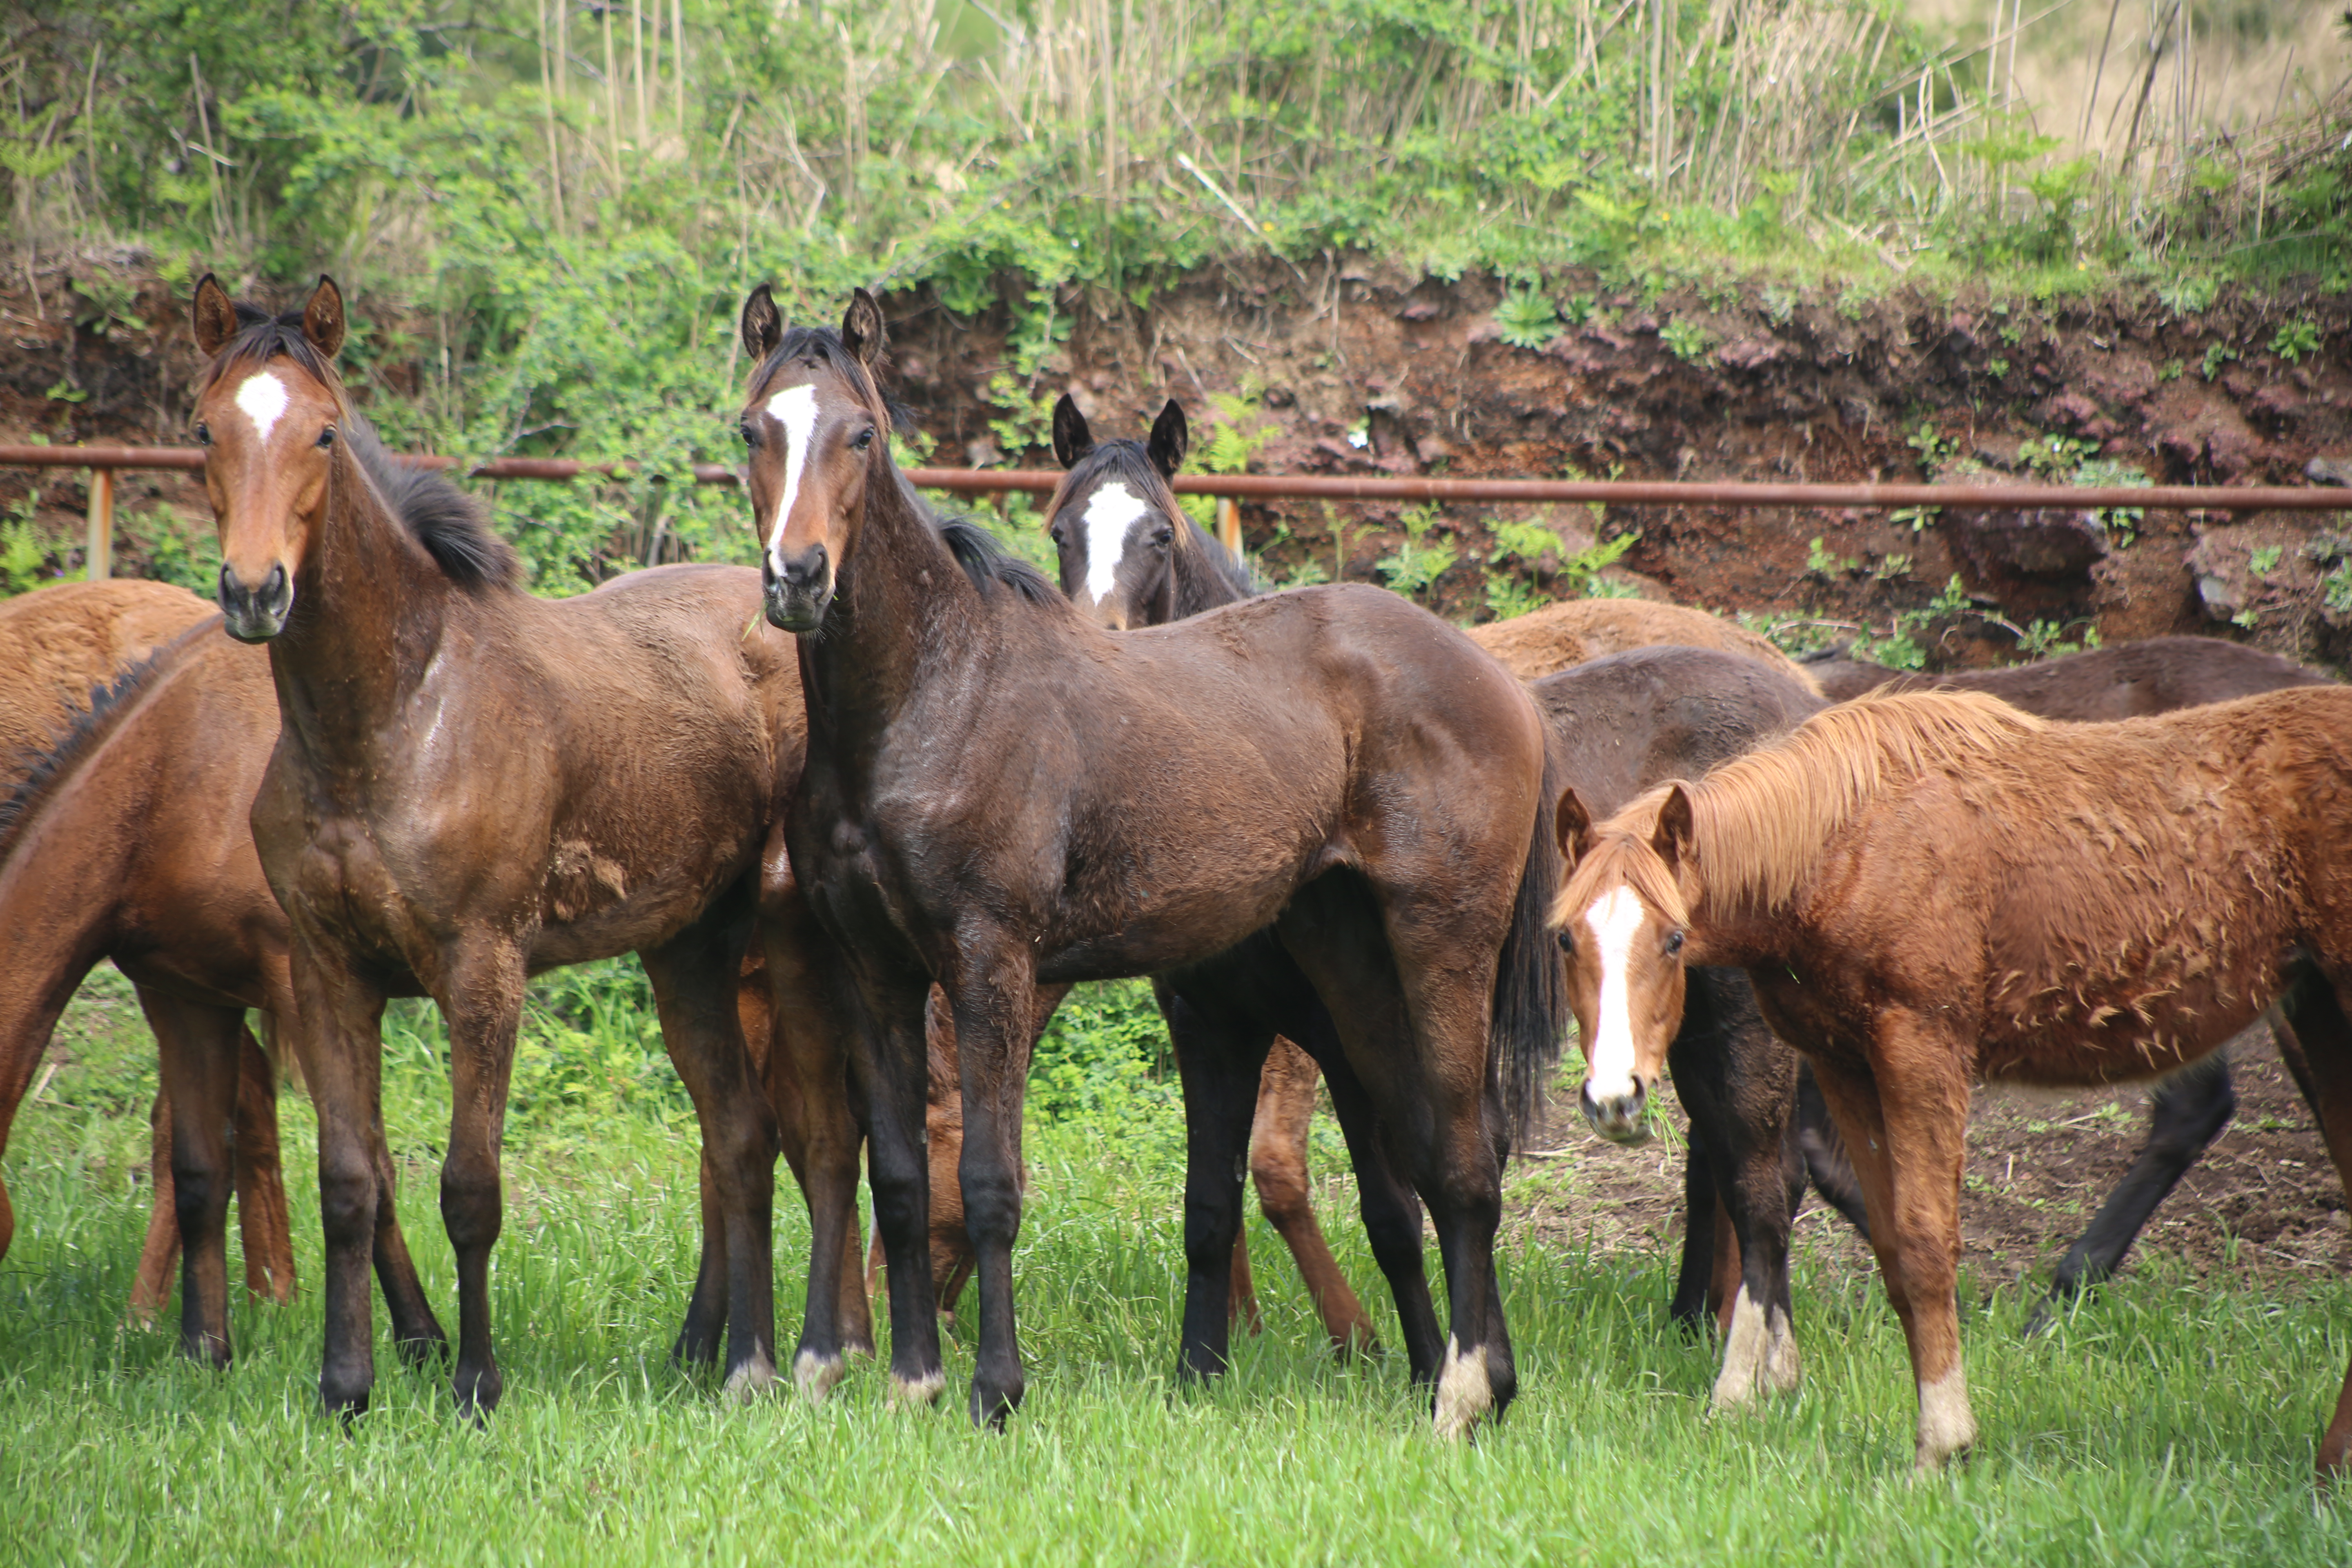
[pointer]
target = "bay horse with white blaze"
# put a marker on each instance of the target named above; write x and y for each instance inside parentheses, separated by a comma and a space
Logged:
(998, 792)
(470, 784)
(1934, 889)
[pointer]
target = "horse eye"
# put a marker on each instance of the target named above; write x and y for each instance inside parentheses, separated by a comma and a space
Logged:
(327, 436)
(864, 439)
(1567, 943)
(1163, 536)
(1061, 541)
(749, 433)
(1674, 942)
(204, 434)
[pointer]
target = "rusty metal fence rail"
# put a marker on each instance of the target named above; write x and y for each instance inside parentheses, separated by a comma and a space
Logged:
(104, 462)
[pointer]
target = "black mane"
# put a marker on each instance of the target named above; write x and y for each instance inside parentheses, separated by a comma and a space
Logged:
(49, 770)
(986, 562)
(448, 522)
(823, 344)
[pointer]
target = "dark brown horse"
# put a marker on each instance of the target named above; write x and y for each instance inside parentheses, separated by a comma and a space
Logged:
(2160, 674)
(1932, 889)
(470, 784)
(1000, 792)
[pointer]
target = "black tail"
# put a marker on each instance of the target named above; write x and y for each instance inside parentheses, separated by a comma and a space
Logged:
(49, 771)
(1530, 1018)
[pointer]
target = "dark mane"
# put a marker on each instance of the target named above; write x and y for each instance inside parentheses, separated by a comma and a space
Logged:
(448, 522)
(262, 337)
(110, 704)
(986, 562)
(823, 344)
(1129, 461)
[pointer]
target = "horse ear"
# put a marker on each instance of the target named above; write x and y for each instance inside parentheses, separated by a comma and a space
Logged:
(1674, 832)
(322, 318)
(1071, 439)
(762, 324)
(861, 329)
(1572, 826)
(215, 316)
(1170, 437)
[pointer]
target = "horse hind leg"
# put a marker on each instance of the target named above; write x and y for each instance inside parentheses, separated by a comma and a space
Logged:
(1278, 1135)
(2319, 1015)
(262, 1219)
(150, 1287)
(2185, 1113)
(198, 1048)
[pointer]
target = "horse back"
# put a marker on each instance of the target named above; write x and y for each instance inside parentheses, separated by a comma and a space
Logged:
(1621, 723)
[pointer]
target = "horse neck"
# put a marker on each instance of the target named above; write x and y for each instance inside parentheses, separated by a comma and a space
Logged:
(369, 611)
(903, 610)
(1202, 582)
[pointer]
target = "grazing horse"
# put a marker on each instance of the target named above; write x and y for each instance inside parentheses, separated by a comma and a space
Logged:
(59, 645)
(2159, 675)
(469, 784)
(999, 792)
(1933, 890)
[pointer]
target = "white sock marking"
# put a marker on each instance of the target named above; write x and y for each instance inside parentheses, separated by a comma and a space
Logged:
(924, 1390)
(753, 1377)
(795, 408)
(1947, 1426)
(263, 398)
(1465, 1393)
(1615, 919)
(1111, 511)
(1743, 1353)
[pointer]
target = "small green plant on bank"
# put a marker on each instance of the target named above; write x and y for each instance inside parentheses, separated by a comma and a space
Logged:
(2121, 523)
(23, 551)
(2172, 369)
(2216, 356)
(2192, 295)
(1417, 563)
(1823, 563)
(1687, 339)
(1935, 447)
(1023, 418)
(1238, 429)
(2296, 340)
(1527, 319)
(2047, 640)
(1997, 368)
(2262, 563)
(2333, 554)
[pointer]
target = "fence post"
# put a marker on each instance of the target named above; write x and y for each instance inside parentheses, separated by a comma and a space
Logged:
(1228, 524)
(97, 551)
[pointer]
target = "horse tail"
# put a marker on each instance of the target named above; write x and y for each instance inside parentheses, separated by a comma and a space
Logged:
(1530, 1014)
(49, 771)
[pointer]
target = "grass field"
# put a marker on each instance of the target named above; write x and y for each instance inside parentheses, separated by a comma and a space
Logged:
(2167, 1422)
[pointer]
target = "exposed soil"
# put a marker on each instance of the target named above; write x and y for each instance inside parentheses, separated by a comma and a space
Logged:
(2264, 1202)
(1809, 386)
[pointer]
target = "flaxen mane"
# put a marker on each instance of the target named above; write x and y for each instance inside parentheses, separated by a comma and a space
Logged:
(1760, 821)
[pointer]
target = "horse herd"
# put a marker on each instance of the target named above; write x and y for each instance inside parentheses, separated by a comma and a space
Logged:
(863, 862)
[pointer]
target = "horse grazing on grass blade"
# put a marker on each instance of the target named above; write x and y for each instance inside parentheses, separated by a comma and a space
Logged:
(1000, 792)
(469, 784)
(1934, 889)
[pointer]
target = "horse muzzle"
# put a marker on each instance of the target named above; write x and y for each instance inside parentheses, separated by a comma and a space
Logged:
(256, 614)
(798, 592)
(1619, 1117)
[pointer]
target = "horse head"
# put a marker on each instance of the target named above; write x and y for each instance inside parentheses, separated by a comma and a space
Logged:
(267, 411)
(1115, 521)
(818, 431)
(1623, 924)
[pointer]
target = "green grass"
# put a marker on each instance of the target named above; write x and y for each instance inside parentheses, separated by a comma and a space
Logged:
(2168, 1422)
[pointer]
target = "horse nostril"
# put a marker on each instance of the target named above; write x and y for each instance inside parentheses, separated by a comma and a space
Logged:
(275, 589)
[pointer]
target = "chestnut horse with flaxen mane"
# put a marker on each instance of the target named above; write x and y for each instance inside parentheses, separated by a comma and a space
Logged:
(1000, 792)
(1930, 890)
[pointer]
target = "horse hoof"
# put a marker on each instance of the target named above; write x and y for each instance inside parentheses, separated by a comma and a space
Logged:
(1465, 1393)
(989, 1407)
(477, 1393)
(421, 1351)
(346, 1404)
(917, 1393)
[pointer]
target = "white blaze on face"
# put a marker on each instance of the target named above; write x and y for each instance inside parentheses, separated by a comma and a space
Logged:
(1111, 511)
(263, 399)
(1615, 919)
(795, 408)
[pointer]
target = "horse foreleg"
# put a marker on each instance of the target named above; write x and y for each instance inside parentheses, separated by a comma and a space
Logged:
(482, 1001)
(992, 993)
(159, 1254)
(1220, 1062)
(2319, 1047)
(340, 1018)
(889, 1060)
(261, 1215)
(695, 979)
(198, 1049)
(1286, 1117)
